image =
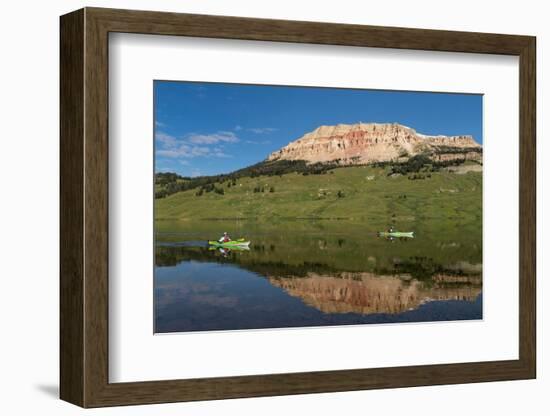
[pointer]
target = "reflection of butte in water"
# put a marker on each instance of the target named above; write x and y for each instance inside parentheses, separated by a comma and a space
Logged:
(369, 293)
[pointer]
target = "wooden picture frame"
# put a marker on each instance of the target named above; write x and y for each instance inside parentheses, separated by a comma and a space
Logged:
(84, 207)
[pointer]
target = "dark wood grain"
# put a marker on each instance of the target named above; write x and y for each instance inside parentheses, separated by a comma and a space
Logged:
(527, 208)
(84, 207)
(96, 219)
(71, 100)
(226, 27)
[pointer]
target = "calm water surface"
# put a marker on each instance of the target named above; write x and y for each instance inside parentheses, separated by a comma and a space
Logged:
(303, 273)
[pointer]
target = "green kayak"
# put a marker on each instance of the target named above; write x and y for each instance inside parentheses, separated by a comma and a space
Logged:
(233, 243)
(397, 234)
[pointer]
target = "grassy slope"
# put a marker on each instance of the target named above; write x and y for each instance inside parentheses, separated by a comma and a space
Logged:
(444, 196)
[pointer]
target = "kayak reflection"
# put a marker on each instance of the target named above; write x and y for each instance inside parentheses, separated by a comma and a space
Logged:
(226, 251)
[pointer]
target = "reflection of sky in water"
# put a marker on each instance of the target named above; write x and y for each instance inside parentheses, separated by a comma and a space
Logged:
(195, 296)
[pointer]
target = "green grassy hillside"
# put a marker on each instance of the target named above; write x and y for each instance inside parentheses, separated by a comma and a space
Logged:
(352, 193)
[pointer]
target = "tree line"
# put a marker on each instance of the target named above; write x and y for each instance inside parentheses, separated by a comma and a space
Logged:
(171, 183)
(420, 163)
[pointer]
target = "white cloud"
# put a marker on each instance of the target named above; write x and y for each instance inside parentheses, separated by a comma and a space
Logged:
(258, 142)
(168, 153)
(165, 139)
(262, 130)
(159, 124)
(194, 145)
(219, 153)
(185, 150)
(219, 137)
(193, 151)
(237, 128)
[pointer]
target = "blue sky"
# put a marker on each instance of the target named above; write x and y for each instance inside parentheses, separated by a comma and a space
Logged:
(211, 128)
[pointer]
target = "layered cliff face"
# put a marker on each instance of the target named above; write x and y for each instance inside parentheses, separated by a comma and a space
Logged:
(366, 293)
(373, 142)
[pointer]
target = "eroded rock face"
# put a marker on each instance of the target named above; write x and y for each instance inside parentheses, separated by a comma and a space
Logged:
(367, 293)
(373, 142)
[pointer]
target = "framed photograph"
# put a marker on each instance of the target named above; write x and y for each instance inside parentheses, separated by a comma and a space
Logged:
(255, 207)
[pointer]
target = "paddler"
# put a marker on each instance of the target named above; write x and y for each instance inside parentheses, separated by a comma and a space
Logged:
(224, 238)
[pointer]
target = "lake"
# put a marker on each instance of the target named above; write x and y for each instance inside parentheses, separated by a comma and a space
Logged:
(307, 273)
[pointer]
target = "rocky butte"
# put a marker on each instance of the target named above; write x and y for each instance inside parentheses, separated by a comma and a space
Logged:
(362, 143)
